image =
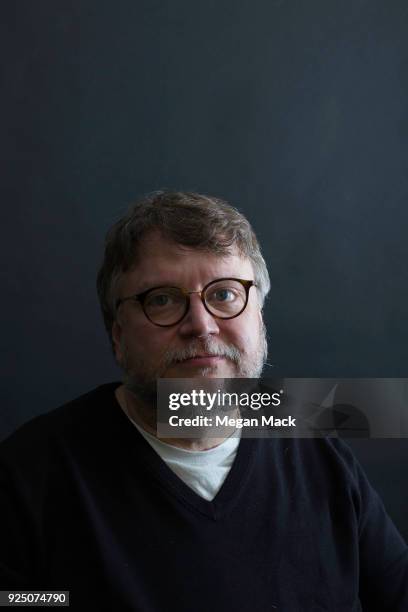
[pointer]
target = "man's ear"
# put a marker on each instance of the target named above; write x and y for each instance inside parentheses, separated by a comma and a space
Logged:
(116, 340)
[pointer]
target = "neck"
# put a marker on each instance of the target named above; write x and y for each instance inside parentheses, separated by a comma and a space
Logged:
(145, 417)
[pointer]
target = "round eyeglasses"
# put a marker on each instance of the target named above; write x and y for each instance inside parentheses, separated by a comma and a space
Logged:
(223, 298)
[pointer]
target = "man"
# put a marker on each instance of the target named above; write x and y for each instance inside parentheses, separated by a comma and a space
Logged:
(94, 502)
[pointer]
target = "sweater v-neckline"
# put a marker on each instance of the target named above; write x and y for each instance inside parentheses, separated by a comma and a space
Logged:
(230, 491)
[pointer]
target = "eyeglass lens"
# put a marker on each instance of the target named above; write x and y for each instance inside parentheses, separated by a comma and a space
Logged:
(167, 305)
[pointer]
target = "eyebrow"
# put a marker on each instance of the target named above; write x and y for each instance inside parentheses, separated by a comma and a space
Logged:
(147, 286)
(152, 285)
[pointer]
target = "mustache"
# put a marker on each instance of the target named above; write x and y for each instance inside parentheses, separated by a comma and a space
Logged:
(208, 346)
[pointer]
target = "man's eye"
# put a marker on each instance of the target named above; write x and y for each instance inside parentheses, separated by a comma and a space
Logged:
(224, 295)
(160, 300)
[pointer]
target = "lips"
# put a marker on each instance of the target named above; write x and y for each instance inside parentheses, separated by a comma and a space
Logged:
(202, 360)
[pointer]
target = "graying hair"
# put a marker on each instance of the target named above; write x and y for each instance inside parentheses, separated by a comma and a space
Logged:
(189, 219)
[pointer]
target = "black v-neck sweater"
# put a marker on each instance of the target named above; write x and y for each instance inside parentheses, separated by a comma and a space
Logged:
(88, 506)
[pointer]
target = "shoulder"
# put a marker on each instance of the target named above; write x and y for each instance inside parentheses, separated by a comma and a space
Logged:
(311, 453)
(315, 464)
(73, 420)
(327, 453)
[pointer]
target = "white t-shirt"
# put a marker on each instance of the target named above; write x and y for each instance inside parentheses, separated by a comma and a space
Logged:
(203, 471)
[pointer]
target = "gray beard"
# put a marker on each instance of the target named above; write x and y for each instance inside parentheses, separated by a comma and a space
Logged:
(142, 383)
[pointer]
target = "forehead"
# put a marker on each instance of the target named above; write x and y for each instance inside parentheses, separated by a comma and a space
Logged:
(162, 261)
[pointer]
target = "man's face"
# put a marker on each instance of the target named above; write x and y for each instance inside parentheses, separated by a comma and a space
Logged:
(200, 344)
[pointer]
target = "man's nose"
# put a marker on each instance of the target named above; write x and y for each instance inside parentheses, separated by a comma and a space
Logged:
(198, 321)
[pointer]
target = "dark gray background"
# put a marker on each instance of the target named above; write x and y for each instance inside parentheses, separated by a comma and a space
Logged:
(296, 111)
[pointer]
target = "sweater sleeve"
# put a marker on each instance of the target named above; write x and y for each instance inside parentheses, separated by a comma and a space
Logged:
(21, 495)
(382, 551)
(15, 535)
